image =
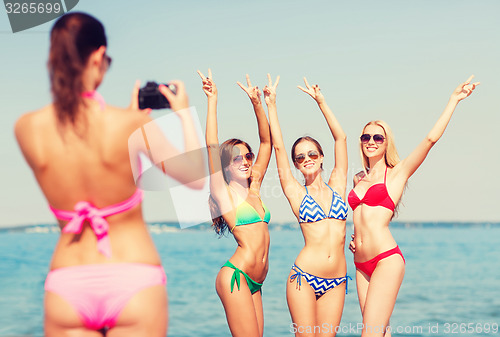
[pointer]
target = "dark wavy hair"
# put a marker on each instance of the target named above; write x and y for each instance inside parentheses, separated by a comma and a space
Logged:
(73, 38)
(226, 155)
(303, 139)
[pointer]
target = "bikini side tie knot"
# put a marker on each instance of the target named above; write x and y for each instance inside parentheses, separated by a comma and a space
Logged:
(298, 275)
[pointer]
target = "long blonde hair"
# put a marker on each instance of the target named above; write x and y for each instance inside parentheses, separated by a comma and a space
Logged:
(391, 154)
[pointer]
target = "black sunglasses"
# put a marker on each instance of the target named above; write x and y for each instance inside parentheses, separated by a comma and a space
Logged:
(299, 159)
(108, 59)
(377, 138)
(249, 156)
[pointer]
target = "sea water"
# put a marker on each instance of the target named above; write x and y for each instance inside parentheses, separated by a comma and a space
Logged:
(451, 286)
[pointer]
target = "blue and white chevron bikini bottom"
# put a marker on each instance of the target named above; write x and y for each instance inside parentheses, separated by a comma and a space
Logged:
(319, 284)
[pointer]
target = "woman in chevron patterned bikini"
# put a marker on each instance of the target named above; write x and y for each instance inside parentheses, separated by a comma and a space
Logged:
(380, 265)
(317, 283)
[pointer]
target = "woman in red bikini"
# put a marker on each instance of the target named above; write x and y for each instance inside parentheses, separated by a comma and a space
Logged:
(105, 275)
(380, 265)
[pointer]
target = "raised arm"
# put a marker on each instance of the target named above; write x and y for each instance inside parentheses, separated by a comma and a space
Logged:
(338, 177)
(288, 182)
(217, 184)
(411, 163)
(265, 148)
(186, 167)
(180, 105)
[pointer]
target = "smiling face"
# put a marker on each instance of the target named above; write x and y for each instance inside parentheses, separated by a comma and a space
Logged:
(240, 167)
(373, 147)
(307, 158)
(386, 149)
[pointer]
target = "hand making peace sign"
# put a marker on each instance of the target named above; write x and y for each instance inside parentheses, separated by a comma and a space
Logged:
(253, 92)
(313, 91)
(208, 84)
(270, 90)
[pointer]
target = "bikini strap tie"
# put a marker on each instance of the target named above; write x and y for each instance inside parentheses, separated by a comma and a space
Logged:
(86, 211)
(347, 277)
(235, 278)
(297, 276)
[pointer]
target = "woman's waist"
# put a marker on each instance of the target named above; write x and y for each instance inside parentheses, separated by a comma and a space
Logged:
(321, 247)
(253, 262)
(107, 268)
(371, 233)
(118, 246)
(321, 261)
(253, 243)
(368, 249)
(322, 266)
(62, 260)
(254, 266)
(252, 254)
(372, 218)
(327, 243)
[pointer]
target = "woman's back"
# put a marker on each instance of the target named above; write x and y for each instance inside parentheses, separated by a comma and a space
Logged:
(88, 161)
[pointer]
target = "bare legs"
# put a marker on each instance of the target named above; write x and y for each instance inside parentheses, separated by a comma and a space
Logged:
(377, 295)
(313, 317)
(244, 311)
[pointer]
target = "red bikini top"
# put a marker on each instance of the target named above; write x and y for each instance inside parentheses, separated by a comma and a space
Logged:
(376, 195)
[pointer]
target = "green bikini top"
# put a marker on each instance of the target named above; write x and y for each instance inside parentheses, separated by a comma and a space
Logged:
(246, 214)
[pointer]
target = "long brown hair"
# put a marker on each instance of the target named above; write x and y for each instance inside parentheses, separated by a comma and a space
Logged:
(73, 38)
(226, 155)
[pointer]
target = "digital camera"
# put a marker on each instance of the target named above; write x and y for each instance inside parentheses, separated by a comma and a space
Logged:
(151, 97)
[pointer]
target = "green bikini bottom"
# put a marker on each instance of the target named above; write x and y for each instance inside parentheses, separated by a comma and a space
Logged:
(252, 285)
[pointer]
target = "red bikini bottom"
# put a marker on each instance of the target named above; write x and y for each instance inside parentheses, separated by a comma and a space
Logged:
(368, 267)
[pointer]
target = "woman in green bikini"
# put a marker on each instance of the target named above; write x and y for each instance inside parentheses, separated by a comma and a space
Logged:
(236, 206)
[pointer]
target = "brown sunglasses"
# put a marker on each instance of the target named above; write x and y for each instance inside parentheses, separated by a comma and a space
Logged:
(299, 159)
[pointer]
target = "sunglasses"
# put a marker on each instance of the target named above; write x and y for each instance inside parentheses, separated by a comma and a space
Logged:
(108, 59)
(377, 138)
(237, 160)
(299, 159)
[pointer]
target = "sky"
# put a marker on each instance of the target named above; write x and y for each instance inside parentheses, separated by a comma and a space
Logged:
(398, 61)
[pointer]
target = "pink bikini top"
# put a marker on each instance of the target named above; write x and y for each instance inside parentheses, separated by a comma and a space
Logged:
(95, 96)
(376, 195)
(85, 211)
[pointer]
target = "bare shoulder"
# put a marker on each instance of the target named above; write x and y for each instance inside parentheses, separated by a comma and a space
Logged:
(128, 114)
(25, 124)
(28, 129)
(22, 124)
(127, 118)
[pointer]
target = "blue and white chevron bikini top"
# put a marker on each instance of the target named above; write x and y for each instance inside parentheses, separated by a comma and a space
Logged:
(310, 211)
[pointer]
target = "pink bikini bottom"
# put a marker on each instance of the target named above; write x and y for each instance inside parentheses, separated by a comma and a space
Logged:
(99, 292)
